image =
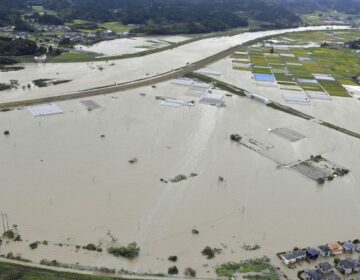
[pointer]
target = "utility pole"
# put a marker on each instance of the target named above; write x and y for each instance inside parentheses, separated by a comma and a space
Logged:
(3, 223)
(7, 221)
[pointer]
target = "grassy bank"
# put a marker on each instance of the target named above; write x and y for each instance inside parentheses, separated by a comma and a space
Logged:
(259, 269)
(13, 271)
(220, 84)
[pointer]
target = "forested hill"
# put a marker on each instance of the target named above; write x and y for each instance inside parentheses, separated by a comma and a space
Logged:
(166, 16)
(179, 16)
(308, 6)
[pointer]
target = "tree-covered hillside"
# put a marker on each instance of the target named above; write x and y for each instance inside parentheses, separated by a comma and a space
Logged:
(176, 16)
(163, 16)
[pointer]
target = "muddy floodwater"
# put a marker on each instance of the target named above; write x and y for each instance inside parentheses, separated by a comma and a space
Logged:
(67, 179)
(89, 75)
(64, 183)
(131, 45)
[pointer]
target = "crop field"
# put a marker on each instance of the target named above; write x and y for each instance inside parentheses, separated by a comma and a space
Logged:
(116, 27)
(319, 37)
(72, 56)
(312, 69)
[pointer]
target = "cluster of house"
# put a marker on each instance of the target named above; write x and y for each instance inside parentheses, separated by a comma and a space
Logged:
(325, 271)
(51, 28)
(328, 250)
(53, 31)
(7, 28)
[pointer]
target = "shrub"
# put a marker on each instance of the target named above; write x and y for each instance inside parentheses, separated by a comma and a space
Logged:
(173, 258)
(130, 252)
(173, 270)
(178, 178)
(9, 234)
(195, 231)
(34, 245)
(190, 272)
(210, 252)
(133, 160)
(235, 137)
(90, 247)
(18, 238)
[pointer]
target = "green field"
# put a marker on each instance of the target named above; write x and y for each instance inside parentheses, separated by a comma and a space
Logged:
(289, 64)
(283, 78)
(38, 9)
(306, 37)
(72, 56)
(258, 270)
(261, 70)
(116, 27)
(17, 272)
(334, 88)
(258, 60)
(342, 63)
(320, 18)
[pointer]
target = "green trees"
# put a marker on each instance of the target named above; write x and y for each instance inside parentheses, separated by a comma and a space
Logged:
(18, 47)
(131, 251)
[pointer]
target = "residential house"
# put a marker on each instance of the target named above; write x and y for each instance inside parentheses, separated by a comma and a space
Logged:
(293, 257)
(345, 266)
(335, 248)
(313, 274)
(325, 268)
(331, 276)
(312, 253)
(325, 251)
(349, 247)
(356, 265)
